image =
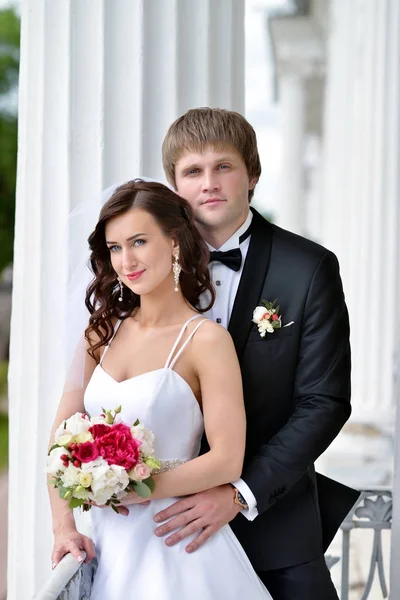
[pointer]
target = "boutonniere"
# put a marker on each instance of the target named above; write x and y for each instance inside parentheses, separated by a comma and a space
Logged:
(267, 317)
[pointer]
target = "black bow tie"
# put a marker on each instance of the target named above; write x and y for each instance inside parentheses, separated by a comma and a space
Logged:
(231, 258)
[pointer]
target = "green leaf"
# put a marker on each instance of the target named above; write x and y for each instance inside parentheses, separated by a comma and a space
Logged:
(141, 489)
(136, 423)
(53, 447)
(150, 483)
(62, 490)
(75, 503)
(115, 509)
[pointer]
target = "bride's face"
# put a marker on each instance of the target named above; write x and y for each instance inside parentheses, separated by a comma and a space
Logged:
(141, 254)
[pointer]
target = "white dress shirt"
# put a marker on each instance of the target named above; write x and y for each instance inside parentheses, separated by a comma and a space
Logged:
(226, 283)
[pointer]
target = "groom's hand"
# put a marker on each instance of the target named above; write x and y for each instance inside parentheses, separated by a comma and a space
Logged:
(205, 512)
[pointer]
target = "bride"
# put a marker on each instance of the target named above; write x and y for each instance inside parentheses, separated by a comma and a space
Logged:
(149, 348)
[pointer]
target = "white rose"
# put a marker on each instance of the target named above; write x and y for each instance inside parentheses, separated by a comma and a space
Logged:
(121, 476)
(139, 432)
(102, 495)
(74, 426)
(61, 436)
(77, 424)
(70, 476)
(99, 477)
(259, 314)
(85, 479)
(54, 462)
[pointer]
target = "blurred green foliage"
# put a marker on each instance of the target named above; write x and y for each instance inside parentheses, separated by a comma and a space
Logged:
(9, 67)
(3, 377)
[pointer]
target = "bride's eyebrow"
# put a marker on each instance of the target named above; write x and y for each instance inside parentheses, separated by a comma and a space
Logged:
(129, 239)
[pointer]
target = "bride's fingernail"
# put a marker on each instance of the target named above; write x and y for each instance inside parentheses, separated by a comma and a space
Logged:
(80, 558)
(53, 565)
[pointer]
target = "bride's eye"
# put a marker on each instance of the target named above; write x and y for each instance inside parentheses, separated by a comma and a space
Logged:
(139, 242)
(114, 248)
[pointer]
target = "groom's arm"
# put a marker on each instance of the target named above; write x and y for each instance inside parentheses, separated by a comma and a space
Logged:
(321, 394)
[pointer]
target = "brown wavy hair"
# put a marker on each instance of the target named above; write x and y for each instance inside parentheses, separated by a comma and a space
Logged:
(174, 216)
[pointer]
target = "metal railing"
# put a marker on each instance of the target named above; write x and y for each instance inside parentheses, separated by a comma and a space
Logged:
(372, 511)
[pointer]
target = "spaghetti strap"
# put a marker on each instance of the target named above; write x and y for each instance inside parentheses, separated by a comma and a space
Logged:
(174, 347)
(173, 362)
(118, 323)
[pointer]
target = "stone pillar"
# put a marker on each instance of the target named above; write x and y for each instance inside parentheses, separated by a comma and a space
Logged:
(361, 191)
(299, 55)
(291, 208)
(100, 82)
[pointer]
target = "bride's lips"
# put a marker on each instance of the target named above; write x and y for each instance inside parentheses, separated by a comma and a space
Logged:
(134, 276)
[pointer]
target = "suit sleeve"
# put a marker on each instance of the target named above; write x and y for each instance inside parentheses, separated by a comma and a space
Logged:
(321, 392)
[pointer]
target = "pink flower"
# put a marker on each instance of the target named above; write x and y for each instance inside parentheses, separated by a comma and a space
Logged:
(118, 447)
(99, 430)
(86, 452)
(140, 472)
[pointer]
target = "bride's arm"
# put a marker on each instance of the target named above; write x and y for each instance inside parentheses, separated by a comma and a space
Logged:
(66, 537)
(218, 370)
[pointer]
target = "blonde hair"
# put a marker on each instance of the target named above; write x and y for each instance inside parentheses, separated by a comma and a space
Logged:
(216, 127)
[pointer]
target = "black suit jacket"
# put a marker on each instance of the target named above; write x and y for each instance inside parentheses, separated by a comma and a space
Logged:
(297, 393)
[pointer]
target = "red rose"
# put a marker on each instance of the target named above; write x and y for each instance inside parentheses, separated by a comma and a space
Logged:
(275, 317)
(86, 452)
(99, 430)
(118, 447)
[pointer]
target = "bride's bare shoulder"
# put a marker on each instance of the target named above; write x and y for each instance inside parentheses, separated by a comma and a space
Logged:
(209, 334)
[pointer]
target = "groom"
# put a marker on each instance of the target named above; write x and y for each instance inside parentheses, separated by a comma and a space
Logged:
(296, 380)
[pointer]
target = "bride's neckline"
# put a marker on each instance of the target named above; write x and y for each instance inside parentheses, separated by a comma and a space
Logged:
(153, 371)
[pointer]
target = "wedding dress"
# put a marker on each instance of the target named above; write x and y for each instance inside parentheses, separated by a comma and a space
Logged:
(132, 561)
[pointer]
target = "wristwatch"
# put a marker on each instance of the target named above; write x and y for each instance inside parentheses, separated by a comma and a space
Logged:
(239, 500)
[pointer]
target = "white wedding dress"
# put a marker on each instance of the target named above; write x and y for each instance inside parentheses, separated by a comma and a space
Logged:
(132, 561)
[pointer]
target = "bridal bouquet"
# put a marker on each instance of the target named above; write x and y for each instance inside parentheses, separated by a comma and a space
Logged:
(100, 459)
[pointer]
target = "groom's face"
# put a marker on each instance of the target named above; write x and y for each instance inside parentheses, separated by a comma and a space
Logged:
(216, 184)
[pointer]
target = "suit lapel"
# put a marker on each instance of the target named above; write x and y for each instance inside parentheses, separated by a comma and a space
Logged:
(251, 282)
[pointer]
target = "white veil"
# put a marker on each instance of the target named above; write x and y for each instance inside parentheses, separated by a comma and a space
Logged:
(81, 222)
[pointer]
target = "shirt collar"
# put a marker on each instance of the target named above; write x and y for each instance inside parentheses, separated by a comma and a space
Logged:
(233, 241)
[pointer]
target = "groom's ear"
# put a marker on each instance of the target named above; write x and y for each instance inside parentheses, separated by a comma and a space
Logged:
(253, 182)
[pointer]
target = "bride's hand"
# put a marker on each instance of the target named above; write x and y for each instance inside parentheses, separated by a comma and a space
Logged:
(68, 539)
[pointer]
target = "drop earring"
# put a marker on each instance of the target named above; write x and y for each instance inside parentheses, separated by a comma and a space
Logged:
(121, 290)
(176, 267)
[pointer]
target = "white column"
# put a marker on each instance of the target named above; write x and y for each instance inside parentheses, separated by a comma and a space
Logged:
(393, 124)
(290, 208)
(361, 191)
(100, 82)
